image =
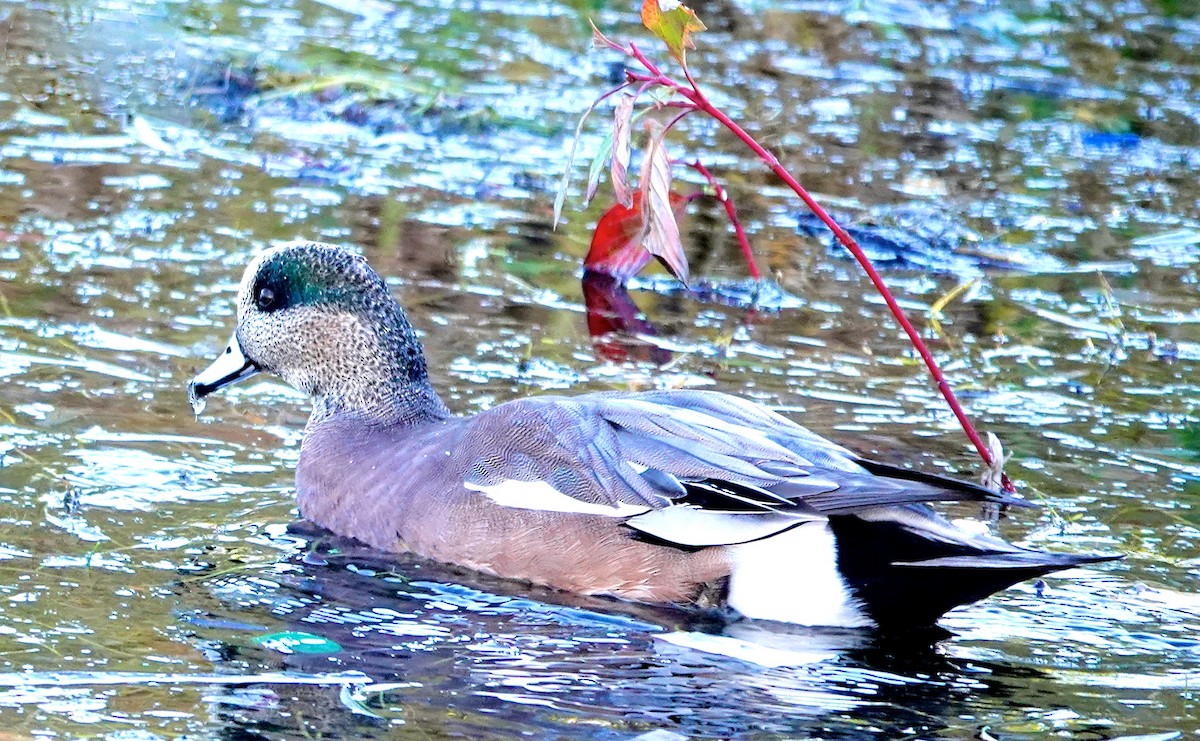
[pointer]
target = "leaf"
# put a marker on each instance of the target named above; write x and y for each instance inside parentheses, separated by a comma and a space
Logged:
(597, 167)
(561, 197)
(672, 22)
(601, 41)
(994, 475)
(616, 242)
(661, 230)
(616, 248)
(602, 155)
(621, 149)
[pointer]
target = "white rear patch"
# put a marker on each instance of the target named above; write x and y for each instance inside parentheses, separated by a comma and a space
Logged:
(793, 578)
(978, 528)
(542, 496)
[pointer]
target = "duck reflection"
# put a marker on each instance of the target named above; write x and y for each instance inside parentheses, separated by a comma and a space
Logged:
(503, 658)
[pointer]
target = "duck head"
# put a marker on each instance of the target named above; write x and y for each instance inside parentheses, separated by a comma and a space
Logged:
(320, 318)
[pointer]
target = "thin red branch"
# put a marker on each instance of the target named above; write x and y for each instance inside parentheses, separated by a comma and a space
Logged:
(721, 195)
(688, 74)
(646, 85)
(850, 244)
(679, 116)
(612, 92)
(692, 92)
(650, 66)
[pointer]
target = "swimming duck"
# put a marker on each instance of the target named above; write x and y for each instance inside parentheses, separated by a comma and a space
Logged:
(687, 497)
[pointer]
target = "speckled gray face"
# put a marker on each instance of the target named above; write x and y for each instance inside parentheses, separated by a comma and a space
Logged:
(320, 318)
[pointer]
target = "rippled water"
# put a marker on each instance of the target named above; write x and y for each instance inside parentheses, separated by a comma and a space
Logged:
(1047, 150)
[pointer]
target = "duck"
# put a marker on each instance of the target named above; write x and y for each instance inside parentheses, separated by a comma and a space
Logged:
(682, 497)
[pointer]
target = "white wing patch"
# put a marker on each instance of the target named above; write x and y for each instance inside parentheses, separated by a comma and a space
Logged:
(540, 495)
(690, 526)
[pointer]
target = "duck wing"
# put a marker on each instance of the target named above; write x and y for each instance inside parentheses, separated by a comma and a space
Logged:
(693, 468)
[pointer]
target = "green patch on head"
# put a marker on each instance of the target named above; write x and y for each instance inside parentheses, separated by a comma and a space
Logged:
(305, 276)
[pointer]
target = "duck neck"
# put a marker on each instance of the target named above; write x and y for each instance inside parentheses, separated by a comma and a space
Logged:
(387, 405)
(389, 384)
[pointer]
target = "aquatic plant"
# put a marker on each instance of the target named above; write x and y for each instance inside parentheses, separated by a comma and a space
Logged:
(653, 203)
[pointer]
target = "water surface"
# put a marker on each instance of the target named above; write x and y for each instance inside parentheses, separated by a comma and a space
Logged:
(1047, 150)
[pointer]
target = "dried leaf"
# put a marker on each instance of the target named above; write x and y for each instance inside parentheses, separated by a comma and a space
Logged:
(993, 477)
(672, 22)
(661, 230)
(621, 149)
(602, 157)
(601, 41)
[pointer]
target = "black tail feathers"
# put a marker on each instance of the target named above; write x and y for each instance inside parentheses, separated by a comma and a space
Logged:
(906, 580)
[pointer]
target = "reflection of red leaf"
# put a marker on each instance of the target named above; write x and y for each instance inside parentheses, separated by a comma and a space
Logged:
(617, 248)
(614, 322)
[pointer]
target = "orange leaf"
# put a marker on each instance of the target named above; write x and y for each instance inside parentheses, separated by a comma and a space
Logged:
(672, 22)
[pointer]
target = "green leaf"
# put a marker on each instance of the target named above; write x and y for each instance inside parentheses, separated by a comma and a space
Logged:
(672, 22)
(597, 167)
(561, 197)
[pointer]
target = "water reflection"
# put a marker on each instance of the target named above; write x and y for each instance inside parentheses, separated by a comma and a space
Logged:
(618, 328)
(621, 332)
(430, 635)
(424, 636)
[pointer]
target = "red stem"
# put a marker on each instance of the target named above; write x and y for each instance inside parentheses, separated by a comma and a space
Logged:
(692, 93)
(914, 337)
(721, 195)
(636, 53)
(680, 116)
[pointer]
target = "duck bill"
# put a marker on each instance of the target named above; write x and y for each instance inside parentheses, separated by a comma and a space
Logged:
(230, 367)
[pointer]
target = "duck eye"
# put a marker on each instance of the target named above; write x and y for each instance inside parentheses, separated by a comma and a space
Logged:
(265, 299)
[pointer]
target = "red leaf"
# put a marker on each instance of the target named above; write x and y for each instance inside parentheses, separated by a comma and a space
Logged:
(617, 241)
